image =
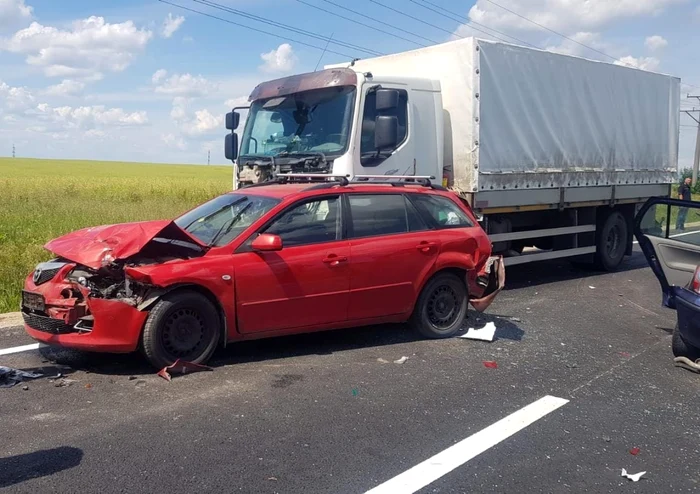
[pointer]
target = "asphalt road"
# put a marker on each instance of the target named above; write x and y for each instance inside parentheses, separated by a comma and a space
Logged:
(323, 414)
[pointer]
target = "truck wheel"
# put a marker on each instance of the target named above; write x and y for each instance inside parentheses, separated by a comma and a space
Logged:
(441, 307)
(182, 325)
(680, 348)
(612, 242)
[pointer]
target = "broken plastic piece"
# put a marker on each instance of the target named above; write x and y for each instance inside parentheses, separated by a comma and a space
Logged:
(633, 477)
(9, 376)
(490, 364)
(182, 367)
(401, 360)
(635, 451)
(686, 363)
(486, 333)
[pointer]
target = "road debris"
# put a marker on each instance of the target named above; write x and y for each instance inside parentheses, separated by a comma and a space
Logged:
(486, 333)
(182, 367)
(382, 361)
(591, 287)
(686, 363)
(25, 387)
(515, 319)
(64, 383)
(607, 439)
(401, 360)
(490, 364)
(88, 386)
(633, 477)
(355, 392)
(132, 378)
(10, 377)
(635, 451)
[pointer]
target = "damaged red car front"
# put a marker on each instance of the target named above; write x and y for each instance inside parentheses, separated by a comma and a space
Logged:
(84, 299)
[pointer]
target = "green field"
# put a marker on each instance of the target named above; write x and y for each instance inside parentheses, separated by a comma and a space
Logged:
(42, 199)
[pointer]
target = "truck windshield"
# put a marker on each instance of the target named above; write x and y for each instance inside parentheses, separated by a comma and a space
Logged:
(222, 219)
(316, 121)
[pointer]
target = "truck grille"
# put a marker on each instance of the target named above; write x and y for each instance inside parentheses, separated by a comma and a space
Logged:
(47, 324)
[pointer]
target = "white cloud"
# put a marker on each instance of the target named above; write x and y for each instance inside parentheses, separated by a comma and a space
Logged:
(90, 48)
(574, 46)
(15, 99)
(182, 84)
(67, 87)
(95, 134)
(234, 102)
(158, 76)
(179, 110)
(92, 116)
(564, 15)
(282, 59)
(203, 122)
(171, 24)
(656, 43)
(13, 12)
(644, 63)
(173, 140)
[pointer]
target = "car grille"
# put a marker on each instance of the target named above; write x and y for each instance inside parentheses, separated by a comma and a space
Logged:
(47, 324)
(46, 275)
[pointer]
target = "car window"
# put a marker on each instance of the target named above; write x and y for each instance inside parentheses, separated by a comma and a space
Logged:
(672, 221)
(444, 212)
(382, 214)
(308, 223)
(219, 221)
(369, 115)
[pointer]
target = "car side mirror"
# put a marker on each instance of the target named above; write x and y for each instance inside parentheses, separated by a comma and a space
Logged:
(386, 99)
(386, 132)
(266, 242)
(231, 146)
(233, 118)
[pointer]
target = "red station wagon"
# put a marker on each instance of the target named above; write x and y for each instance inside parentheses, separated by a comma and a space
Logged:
(300, 255)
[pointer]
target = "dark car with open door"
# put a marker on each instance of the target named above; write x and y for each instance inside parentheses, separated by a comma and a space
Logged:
(668, 231)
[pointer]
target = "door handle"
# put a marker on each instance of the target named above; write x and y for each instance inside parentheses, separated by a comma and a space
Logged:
(425, 246)
(334, 260)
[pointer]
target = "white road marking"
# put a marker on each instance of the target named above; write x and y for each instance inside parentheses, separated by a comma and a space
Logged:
(18, 349)
(430, 470)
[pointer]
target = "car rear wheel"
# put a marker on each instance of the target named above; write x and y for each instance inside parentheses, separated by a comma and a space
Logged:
(441, 307)
(681, 348)
(183, 325)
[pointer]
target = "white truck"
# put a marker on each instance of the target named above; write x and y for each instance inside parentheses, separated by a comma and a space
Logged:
(554, 153)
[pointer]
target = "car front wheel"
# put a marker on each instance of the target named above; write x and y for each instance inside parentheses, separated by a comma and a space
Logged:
(441, 307)
(183, 325)
(681, 348)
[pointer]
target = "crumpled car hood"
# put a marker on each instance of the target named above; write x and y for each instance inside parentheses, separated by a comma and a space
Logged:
(98, 246)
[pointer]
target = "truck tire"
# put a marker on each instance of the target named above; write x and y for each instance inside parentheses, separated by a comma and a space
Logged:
(611, 243)
(441, 307)
(182, 325)
(680, 348)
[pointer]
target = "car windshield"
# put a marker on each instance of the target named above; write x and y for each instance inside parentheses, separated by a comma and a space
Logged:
(222, 219)
(309, 122)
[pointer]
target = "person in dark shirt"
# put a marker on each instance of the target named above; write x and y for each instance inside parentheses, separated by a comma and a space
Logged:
(684, 194)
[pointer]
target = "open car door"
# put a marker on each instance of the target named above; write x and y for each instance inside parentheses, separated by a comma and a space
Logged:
(668, 232)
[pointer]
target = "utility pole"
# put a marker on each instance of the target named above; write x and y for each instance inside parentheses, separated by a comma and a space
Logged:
(208, 156)
(696, 161)
(13, 151)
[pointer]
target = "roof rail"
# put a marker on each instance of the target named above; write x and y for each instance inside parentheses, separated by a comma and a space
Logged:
(311, 178)
(424, 180)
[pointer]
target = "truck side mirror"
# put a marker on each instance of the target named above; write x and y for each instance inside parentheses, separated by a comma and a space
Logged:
(231, 146)
(386, 99)
(386, 132)
(233, 118)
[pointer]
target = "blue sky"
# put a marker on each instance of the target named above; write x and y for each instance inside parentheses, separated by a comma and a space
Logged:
(146, 81)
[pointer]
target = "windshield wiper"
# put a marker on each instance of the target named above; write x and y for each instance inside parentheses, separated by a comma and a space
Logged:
(228, 225)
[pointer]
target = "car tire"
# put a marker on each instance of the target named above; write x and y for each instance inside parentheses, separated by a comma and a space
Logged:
(441, 307)
(681, 348)
(611, 243)
(183, 325)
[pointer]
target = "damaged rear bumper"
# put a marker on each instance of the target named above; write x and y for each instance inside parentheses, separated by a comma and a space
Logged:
(496, 271)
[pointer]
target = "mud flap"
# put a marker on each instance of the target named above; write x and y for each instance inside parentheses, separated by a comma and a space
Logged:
(495, 267)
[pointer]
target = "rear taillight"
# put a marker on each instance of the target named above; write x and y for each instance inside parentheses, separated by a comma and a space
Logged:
(696, 280)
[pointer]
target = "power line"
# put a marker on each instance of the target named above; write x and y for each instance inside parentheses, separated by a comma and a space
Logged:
(365, 16)
(415, 18)
(566, 37)
(270, 22)
(469, 22)
(359, 23)
(195, 11)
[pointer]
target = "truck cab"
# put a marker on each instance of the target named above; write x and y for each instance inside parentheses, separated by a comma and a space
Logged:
(341, 122)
